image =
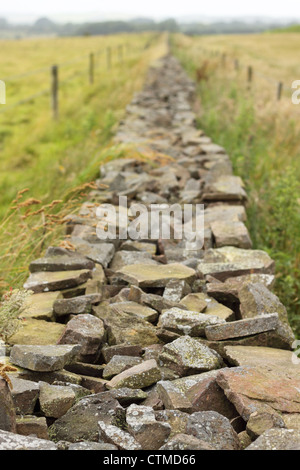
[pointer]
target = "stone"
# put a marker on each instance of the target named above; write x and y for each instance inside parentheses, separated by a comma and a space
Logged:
(11, 441)
(187, 322)
(126, 396)
(32, 425)
(125, 258)
(134, 245)
(101, 253)
(259, 422)
(186, 442)
(277, 439)
(229, 261)
(188, 356)
(87, 331)
(40, 306)
(86, 445)
(7, 410)
(25, 394)
(257, 299)
(172, 398)
(245, 439)
(125, 328)
(144, 275)
(201, 302)
(240, 328)
(225, 188)
(116, 436)
(53, 281)
(229, 233)
(176, 419)
(60, 263)
(76, 305)
(80, 423)
(118, 364)
(55, 400)
(43, 358)
(224, 213)
(175, 290)
(142, 424)
(37, 332)
(50, 377)
(211, 427)
(122, 349)
(137, 310)
(251, 389)
(140, 376)
(206, 395)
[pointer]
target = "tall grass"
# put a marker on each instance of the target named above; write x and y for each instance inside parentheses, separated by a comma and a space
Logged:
(261, 137)
(54, 162)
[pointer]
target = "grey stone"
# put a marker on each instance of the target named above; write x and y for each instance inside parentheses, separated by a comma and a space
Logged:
(43, 358)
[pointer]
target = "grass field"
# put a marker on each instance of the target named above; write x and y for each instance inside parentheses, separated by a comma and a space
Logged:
(260, 134)
(53, 158)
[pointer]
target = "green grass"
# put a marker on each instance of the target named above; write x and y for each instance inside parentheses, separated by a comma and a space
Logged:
(55, 159)
(264, 147)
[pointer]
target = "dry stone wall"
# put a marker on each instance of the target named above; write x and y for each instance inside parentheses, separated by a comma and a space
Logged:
(155, 343)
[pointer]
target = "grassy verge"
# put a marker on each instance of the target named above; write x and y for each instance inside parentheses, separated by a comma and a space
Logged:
(261, 137)
(46, 166)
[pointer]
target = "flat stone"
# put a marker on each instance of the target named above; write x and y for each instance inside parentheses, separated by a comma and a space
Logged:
(277, 439)
(100, 253)
(230, 261)
(122, 349)
(38, 332)
(134, 245)
(225, 188)
(240, 328)
(80, 423)
(116, 436)
(137, 310)
(55, 400)
(87, 331)
(124, 258)
(32, 425)
(25, 394)
(144, 275)
(11, 441)
(250, 389)
(40, 306)
(231, 234)
(43, 358)
(187, 322)
(60, 263)
(256, 299)
(188, 356)
(186, 442)
(172, 397)
(140, 376)
(127, 396)
(176, 419)
(86, 445)
(53, 281)
(224, 213)
(118, 364)
(125, 328)
(7, 411)
(76, 305)
(211, 427)
(201, 302)
(142, 424)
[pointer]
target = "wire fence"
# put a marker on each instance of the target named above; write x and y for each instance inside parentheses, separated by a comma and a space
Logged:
(251, 72)
(113, 55)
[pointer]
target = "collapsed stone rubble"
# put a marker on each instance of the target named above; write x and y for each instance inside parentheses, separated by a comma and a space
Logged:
(149, 344)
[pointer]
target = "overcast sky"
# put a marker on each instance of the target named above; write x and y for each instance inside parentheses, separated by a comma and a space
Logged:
(153, 8)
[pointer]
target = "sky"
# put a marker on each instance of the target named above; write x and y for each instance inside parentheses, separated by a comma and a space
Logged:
(14, 9)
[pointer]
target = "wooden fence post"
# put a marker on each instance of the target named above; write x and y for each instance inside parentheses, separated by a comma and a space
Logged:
(108, 58)
(250, 75)
(236, 64)
(54, 91)
(279, 90)
(120, 49)
(91, 67)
